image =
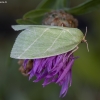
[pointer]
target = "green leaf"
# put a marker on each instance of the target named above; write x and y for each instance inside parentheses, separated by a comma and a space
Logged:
(25, 21)
(53, 4)
(36, 13)
(40, 41)
(35, 16)
(30, 21)
(46, 4)
(59, 4)
(66, 3)
(85, 7)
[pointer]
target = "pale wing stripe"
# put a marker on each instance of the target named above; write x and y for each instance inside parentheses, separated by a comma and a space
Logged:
(54, 41)
(69, 32)
(33, 42)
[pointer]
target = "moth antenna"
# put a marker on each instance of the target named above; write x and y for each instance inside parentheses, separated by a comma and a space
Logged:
(86, 40)
(87, 45)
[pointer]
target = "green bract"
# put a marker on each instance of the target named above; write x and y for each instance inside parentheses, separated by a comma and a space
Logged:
(39, 41)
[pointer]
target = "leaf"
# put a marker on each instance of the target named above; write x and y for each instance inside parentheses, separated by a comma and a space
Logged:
(36, 13)
(60, 4)
(85, 7)
(46, 4)
(25, 22)
(39, 41)
(29, 21)
(53, 4)
(66, 3)
(31, 16)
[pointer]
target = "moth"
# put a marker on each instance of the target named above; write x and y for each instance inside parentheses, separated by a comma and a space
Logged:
(40, 41)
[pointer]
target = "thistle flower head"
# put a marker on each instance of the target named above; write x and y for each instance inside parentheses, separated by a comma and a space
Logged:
(54, 69)
(60, 18)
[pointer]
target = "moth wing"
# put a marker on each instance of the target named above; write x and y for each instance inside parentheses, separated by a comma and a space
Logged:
(20, 27)
(40, 42)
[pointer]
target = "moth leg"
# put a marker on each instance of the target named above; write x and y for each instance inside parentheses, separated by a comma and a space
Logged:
(75, 49)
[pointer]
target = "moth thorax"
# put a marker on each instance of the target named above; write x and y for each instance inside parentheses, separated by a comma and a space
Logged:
(60, 18)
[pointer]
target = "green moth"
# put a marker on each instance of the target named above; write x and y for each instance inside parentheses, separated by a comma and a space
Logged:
(40, 41)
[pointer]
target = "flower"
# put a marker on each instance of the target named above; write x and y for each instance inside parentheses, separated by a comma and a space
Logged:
(57, 69)
(60, 18)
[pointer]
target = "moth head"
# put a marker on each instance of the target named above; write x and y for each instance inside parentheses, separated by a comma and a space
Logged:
(84, 40)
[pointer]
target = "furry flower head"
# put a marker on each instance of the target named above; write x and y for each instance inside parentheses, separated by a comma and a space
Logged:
(55, 69)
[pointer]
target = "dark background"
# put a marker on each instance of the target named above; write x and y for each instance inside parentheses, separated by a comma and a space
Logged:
(86, 69)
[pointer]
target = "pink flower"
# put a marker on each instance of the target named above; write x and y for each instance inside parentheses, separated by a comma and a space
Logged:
(57, 69)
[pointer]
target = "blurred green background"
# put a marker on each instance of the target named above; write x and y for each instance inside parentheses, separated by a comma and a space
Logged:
(86, 69)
